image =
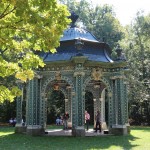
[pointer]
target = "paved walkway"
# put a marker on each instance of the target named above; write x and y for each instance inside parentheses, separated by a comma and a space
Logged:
(61, 132)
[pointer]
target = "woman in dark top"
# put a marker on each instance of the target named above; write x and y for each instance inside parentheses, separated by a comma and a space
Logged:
(98, 121)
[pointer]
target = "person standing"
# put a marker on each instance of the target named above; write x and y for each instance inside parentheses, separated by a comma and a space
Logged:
(87, 120)
(98, 121)
(65, 119)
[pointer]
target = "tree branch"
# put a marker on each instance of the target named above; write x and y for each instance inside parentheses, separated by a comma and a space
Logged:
(4, 11)
(2, 51)
(5, 14)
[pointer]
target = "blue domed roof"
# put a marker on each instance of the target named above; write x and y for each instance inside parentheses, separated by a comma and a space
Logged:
(91, 47)
(74, 33)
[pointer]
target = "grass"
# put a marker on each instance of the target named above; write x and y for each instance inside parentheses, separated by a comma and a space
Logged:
(139, 139)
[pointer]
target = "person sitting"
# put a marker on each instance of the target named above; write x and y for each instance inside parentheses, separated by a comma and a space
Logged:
(11, 121)
(57, 121)
(14, 122)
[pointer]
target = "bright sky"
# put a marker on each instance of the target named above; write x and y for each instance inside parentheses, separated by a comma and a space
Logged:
(126, 9)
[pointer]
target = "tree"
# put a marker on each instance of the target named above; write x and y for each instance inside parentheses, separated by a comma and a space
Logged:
(27, 27)
(56, 105)
(137, 48)
(110, 28)
(7, 111)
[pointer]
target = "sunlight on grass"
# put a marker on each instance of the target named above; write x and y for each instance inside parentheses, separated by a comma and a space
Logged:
(114, 147)
(6, 133)
(53, 126)
(141, 140)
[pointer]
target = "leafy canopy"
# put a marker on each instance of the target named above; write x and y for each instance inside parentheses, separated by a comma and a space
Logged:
(136, 45)
(26, 27)
(100, 20)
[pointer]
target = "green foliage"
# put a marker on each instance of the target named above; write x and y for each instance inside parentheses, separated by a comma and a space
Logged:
(26, 27)
(56, 105)
(137, 48)
(105, 26)
(99, 20)
(7, 111)
(136, 45)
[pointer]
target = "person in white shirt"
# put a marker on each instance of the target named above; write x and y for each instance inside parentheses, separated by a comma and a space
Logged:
(10, 121)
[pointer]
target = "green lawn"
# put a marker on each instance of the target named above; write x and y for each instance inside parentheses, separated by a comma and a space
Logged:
(139, 139)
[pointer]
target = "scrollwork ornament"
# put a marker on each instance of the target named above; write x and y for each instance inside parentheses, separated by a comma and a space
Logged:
(58, 75)
(96, 74)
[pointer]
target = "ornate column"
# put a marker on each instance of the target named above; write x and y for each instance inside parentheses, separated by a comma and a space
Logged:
(126, 116)
(103, 113)
(97, 102)
(66, 105)
(125, 103)
(79, 103)
(122, 102)
(33, 108)
(43, 110)
(19, 128)
(118, 126)
(97, 96)
(68, 88)
(74, 112)
(95, 110)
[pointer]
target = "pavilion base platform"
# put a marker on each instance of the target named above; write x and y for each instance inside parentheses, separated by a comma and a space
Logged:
(119, 130)
(128, 128)
(79, 131)
(35, 130)
(20, 129)
(61, 132)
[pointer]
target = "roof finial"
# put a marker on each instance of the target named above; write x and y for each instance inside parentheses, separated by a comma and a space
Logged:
(74, 18)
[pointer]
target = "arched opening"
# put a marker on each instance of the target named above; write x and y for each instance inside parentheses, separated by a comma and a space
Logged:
(100, 90)
(106, 106)
(55, 106)
(89, 106)
(58, 101)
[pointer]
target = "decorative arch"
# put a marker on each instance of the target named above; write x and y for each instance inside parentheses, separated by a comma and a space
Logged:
(62, 90)
(108, 87)
(102, 79)
(53, 78)
(44, 99)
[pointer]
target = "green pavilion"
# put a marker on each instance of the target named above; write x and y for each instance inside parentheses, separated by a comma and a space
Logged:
(81, 64)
